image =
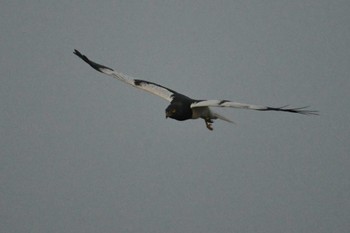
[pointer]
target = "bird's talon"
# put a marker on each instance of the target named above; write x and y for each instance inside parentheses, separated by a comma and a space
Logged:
(208, 125)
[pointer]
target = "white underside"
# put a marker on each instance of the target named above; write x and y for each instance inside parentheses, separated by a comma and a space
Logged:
(207, 113)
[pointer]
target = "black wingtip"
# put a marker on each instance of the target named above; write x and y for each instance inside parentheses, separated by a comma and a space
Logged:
(94, 65)
(300, 110)
(76, 52)
(83, 57)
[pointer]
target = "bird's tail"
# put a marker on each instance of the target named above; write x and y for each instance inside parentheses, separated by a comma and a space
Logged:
(218, 116)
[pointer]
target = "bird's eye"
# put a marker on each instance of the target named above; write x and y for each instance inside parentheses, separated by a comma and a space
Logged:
(173, 110)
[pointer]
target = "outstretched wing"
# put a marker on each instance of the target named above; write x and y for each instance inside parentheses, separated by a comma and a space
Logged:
(150, 87)
(227, 103)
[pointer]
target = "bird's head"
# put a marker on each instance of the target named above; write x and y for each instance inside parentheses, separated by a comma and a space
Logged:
(171, 111)
(178, 112)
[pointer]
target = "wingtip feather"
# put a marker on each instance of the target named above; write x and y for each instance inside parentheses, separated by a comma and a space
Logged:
(94, 65)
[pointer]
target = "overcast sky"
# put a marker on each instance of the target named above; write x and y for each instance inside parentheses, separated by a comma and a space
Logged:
(82, 152)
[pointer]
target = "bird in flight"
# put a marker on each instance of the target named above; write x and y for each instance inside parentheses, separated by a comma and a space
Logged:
(183, 108)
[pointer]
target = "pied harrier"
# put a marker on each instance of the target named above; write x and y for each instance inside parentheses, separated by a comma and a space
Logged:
(182, 107)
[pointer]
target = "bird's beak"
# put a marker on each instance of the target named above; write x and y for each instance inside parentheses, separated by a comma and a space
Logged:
(167, 114)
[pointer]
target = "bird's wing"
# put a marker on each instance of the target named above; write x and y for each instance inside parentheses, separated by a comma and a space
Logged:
(150, 87)
(227, 103)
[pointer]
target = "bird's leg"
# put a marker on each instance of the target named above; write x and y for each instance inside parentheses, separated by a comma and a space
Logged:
(208, 123)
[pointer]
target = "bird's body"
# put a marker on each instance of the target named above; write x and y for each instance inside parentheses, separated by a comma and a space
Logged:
(181, 107)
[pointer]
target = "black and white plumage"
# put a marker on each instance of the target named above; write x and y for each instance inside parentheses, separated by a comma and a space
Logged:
(182, 107)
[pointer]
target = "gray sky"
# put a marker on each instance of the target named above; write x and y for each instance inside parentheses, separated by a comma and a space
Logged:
(81, 152)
